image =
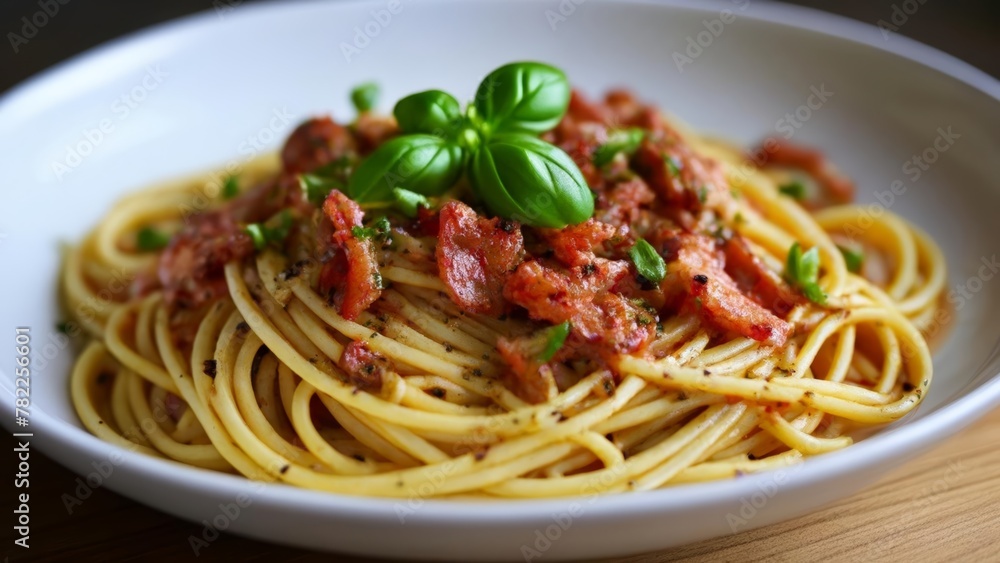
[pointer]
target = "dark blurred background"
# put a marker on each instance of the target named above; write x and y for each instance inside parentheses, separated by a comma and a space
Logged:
(968, 29)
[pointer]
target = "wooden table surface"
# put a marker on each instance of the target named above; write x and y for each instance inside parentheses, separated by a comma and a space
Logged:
(943, 506)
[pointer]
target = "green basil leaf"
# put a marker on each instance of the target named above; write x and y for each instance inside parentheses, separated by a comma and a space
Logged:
(648, 262)
(527, 96)
(626, 141)
(433, 112)
(424, 164)
(555, 337)
(855, 259)
(525, 179)
(149, 239)
(408, 202)
(365, 96)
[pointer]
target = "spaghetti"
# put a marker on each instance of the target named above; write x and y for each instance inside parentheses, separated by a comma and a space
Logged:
(262, 377)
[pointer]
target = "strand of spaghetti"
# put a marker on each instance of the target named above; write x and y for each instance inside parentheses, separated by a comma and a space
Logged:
(670, 374)
(395, 328)
(694, 450)
(412, 277)
(314, 442)
(208, 418)
(428, 323)
(420, 399)
(314, 329)
(616, 478)
(786, 213)
(777, 426)
(264, 395)
(197, 455)
(892, 362)
(82, 383)
(380, 484)
(514, 422)
(715, 470)
(602, 449)
(482, 328)
(128, 217)
(88, 309)
(365, 434)
(724, 351)
(404, 440)
(246, 402)
(842, 354)
(129, 357)
(121, 410)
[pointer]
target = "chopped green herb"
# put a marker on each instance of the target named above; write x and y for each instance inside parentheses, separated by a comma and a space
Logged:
(379, 230)
(648, 263)
(231, 187)
(149, 239)
(794, 189)
(854, 259)
(703, 194)
(555, 338)
(274, 230)
(624, 141)
(802, 270)
(673, 165)
(408, 202)
(336, 168)
(365, 96)
(65, 327)
(316, 188)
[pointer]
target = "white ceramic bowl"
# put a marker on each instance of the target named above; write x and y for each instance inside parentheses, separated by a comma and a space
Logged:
(218, 87)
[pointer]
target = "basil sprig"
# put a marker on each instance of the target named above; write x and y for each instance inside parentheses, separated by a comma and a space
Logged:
(493, 143)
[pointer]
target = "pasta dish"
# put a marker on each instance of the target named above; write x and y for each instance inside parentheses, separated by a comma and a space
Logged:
(536, 295)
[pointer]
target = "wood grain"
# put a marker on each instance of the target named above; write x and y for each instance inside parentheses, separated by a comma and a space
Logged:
(944, 506)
